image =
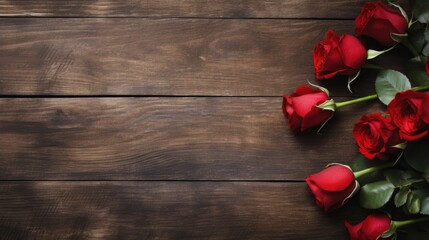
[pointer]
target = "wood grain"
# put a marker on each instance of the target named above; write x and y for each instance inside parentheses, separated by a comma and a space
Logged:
(198, 57)
(183, 8)
(165, 138)
(163, 210)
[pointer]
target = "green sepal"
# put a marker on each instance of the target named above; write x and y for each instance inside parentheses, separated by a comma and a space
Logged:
(401, 146)
(404, 14)
(389, 232)
(351, 79)
(397, 37)
(328, 105)
(319, 87)
(355, 190)
(371, 54)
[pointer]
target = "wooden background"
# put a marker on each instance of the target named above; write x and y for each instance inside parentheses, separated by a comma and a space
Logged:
(140, 119)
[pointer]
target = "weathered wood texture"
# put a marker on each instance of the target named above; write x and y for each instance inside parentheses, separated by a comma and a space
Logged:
(165, 138)
(163, 210)
(183, 8)
(185, 150)
(160, 57)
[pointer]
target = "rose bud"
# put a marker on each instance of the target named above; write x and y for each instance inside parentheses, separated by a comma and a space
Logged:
(301, 108)
(338, 55)
(409, 112)
(378, 21)
(333, 186)
(371, 228)
(376, 136)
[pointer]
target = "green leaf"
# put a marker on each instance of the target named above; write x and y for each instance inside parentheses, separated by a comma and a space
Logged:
(377, 194)
(388, 83)
(420, 11)
(416, 72)
(425, 206)
(401, 197)
(416, 35)
(417, 155)
(423, 194)
(413, 203)
(401, 178)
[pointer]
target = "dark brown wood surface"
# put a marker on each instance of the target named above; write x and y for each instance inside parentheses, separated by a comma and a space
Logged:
(162, 210)
(162, 119)
(183, 8)
(178, 138)
(159, 57)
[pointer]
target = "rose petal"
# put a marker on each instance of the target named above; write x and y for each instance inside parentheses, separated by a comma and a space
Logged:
(375, 225)
(353, 229)
(305, 89)
(316, 117)
(356, 52)
(303, 104)
(294, 122)
(334, 178)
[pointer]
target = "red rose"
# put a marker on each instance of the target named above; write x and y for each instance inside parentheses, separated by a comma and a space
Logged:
(377, 21)
(427, 66)
(410, 113)
(338, 55)
(332, 186)
(301, 108)
(376, 135)
(371, 228)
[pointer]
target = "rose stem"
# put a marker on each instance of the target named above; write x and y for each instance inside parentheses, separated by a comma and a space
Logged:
(373, 169)
(357, 100)
(399, 224)
(371, 97)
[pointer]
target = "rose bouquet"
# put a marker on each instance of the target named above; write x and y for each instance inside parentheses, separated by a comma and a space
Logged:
(391, 176)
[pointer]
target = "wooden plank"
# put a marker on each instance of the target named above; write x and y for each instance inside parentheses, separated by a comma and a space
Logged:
(183, 8)
(163, 210)
(165, 138)
(202, 57)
